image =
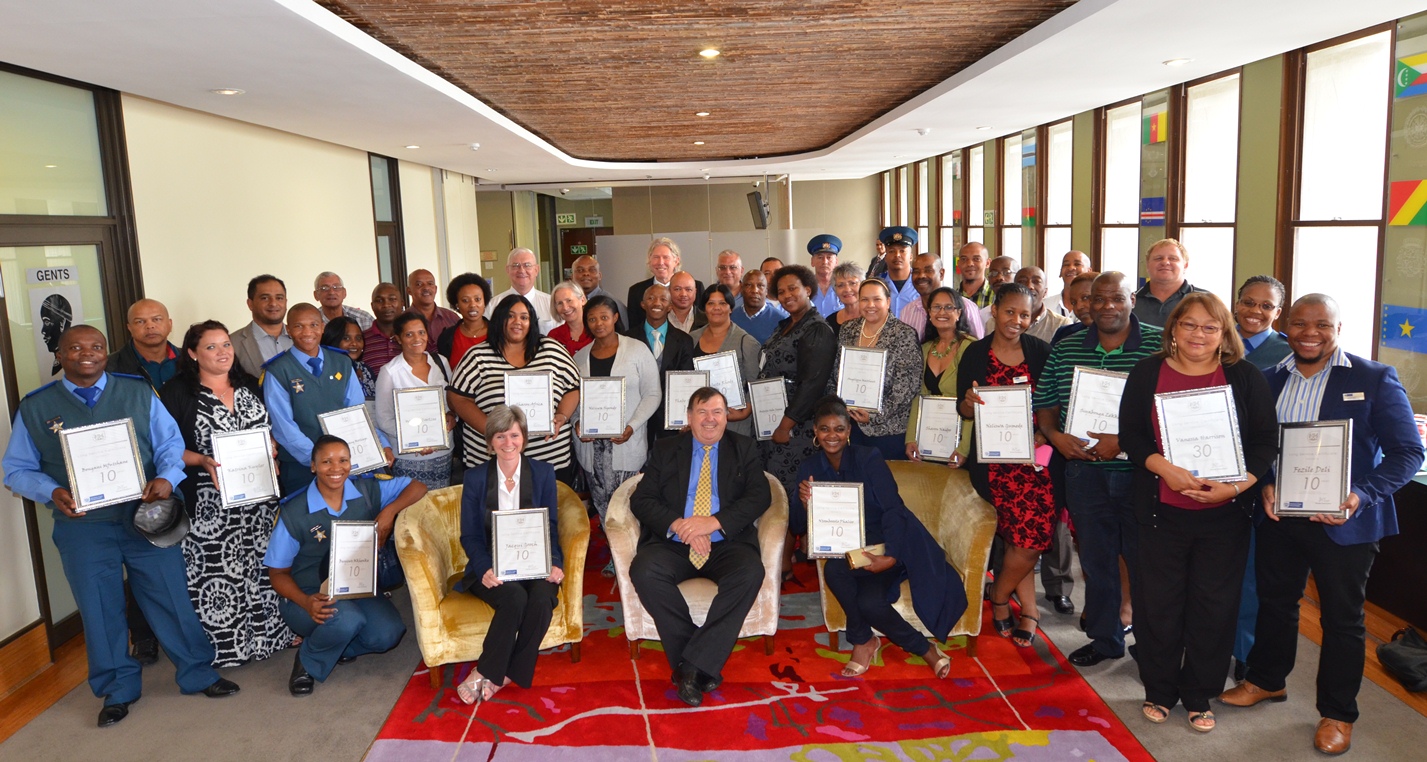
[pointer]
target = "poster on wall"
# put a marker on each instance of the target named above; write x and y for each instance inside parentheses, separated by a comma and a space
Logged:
(55, 305)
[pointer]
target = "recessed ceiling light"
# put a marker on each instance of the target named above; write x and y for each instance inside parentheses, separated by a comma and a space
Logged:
(701, 113)
(475, 146)
(709, 52)
(51, 166)
(413, 146)
(698, 142)
(488, 169)
(227, 91)
(1177, 61)
(983, 128)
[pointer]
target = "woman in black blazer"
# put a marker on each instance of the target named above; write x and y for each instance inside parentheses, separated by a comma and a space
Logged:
(1021, 493)
(1194, 533)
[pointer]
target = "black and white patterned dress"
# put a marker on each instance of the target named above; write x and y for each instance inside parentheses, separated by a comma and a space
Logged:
(224, 550)
(481, 376)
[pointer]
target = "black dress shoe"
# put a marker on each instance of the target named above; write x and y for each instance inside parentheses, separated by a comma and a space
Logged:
(1062, 604)
(706, 683)
(346, 659)
(300, 683)
(220, 688)
(1087, 656)
(688, 689)
(111, 714)
(146, 651)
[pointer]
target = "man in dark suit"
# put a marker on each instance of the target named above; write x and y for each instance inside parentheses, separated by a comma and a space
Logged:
(664, 261)
(673, 349)
(1321, 382)
(696, 524)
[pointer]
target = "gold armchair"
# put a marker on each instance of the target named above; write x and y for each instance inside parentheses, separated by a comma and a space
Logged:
(451, 627)
(622, 529)
(963, 525)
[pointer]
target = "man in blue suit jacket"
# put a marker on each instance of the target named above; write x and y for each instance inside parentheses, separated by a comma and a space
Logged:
(1321, 382)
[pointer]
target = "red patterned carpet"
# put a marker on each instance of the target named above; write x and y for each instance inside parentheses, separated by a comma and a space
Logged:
(1008, 703)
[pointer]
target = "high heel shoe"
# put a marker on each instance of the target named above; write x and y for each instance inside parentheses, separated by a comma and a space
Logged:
(941, 665)
(1003, 627)
(853, 668)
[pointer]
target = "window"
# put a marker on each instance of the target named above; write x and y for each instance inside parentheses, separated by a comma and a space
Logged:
(888, 201)
(1056, 216)
(976, 184)
(904, 196)
(1011, 198)
(1211, 179)
(1119, 222)
(386, 206)
(1342, 158)
(953, 203)
(923, 221)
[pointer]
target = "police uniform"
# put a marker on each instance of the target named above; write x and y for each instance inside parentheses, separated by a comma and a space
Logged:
(826, 302)
(300, 542)
(901, 297)
(97, 547)
(296, 389)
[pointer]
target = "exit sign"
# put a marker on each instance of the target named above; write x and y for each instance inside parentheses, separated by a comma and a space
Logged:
(579, 249)
(565, 219)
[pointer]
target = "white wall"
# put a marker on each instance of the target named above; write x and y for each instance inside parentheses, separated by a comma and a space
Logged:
(418, 222)
(19, 600)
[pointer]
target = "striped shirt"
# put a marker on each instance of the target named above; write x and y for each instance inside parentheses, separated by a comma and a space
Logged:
(1301, 397)
(1083, 349)
(481, 376)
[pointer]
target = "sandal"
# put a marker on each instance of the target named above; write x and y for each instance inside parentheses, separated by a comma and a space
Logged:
(854, 668)
(1029, 636)
(941, 666)
(471, 689)
(1202, 721)
(1154, 712)
(1003, 626)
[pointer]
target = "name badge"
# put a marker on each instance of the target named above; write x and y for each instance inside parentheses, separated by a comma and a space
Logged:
(1021, 380)
(1354, 397)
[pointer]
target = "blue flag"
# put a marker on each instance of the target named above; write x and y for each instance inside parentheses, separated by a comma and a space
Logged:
(1404, 328)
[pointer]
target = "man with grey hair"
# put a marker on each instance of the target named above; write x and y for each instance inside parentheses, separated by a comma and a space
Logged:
(328, 290)
(663, 261)
(728, 270)
(523, 268)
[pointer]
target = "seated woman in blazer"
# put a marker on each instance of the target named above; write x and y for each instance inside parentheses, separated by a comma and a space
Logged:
(509, 481)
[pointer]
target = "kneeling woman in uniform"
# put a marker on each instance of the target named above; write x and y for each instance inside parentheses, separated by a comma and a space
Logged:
(911, 553)
(297, 562)
(509, 481)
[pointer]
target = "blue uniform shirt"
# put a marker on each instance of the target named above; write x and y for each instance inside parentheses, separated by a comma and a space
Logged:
(282, 548)
(901, 297)
(694, 467)
(22, 457)
(1254, 342)
(827, 302)
(279, 405)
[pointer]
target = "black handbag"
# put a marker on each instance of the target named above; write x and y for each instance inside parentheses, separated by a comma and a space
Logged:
(1405, 658)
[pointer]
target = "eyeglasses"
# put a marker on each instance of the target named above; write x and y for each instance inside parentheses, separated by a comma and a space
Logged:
(729, 268)
(942, 308)
(1249, 304)
(330, 289)
(522, 266)
(1207, 329)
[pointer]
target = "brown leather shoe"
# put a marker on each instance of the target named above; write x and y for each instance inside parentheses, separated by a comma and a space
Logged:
(1333, 736)
(1248, 694)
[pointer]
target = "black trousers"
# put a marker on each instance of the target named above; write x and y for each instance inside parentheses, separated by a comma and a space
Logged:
(656, 572)
(863, 596)
(1190, 573)
(522, 615)
(1287, 551)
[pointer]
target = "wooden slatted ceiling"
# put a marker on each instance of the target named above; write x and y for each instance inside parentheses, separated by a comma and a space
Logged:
(620, 80)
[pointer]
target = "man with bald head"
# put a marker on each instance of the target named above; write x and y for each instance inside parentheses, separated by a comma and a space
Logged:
(98, 545)
(663, 260)
(999, 271)
(523, 268)
(1098, 484)
(756, 313)
(1044, 320)
(380, 338)
(1072, 265)
(586, 271)
(1322, 382)
(971, 266)
(927, 275)
(301, 384)
(682, 312)
(422, 289)
(148, 354)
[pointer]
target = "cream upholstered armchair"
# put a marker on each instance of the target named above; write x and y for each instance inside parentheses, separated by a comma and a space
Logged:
(451, 627)
(622, 529)
(963, 525)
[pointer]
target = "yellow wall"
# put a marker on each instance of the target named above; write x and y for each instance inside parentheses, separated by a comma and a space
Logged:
(1260, 113)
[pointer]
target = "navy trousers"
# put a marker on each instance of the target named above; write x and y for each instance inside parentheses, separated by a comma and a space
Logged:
(361, 626)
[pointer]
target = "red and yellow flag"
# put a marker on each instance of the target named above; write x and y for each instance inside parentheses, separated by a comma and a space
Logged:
(1406, 202)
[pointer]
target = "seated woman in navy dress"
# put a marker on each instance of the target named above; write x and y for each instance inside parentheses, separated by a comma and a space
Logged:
(867, 594)
(508, 481)
(297, 561)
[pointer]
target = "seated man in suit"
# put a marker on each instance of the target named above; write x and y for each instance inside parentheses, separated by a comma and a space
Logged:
(696, 524)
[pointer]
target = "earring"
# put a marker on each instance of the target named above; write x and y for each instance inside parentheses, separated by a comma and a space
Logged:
(1173, 347)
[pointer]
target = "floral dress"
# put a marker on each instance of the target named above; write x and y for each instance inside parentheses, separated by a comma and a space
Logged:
(1025, 510)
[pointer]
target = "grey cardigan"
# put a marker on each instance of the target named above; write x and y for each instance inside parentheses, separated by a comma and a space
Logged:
(642, 395)
(748, 349)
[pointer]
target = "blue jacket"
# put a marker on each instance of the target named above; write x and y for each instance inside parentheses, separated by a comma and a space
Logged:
(537, 488)
(1386, 448)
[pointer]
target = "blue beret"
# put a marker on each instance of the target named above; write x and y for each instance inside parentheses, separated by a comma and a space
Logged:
(825, 243)
(898, 236)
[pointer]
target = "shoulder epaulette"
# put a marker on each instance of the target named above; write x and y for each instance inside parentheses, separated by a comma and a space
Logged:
(42, 388)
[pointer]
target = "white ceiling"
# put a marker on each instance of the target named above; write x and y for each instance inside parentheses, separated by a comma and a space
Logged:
(307, 72)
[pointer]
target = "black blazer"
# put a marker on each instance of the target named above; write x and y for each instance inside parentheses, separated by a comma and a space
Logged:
(678, 354)
(1258, 429)
(636, 296)
(743, 491)
(478, 499)
(975, 364)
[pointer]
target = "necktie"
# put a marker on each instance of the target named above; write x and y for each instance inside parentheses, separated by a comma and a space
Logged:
(90, 395)
(315, 363)
(658, 346)
(703, 503)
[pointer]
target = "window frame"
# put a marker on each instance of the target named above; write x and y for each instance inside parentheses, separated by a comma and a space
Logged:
(1179, 168)
(393, 230)
(1098, 185)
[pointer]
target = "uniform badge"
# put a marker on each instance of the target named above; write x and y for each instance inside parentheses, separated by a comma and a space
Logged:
(319, 534)
(338, 376)
(297, 387)
(56, 424)
(896, 236)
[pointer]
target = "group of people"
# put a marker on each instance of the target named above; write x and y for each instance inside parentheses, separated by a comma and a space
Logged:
(1166, 554)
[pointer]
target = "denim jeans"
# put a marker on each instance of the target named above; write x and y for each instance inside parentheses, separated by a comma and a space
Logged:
(1100, 505)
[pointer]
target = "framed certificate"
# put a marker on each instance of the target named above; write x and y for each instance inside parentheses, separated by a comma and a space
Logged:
(1094, 402)
(860, 375)
(103, 464)
(1004, 433)
(1200, 431)
(352, 564)
(520, 544)
(533, 391)
(679, 386)
(601, 407)
(421, 419)
(938, 428)
(247, 473)
(769, 399)
(724, 375)
(354, 425)
(1315, 466)
(835, 519)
